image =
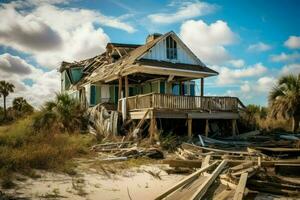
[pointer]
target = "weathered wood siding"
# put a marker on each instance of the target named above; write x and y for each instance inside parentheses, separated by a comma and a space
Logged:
(158, 52)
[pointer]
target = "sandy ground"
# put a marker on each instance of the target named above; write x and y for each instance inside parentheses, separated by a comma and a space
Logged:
(92, 183)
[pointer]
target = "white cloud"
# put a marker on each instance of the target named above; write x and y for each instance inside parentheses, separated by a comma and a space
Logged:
(14, 64)
(285, 57)
(208, 41)
(44, 84)
(245, 87)
(187, 10)
(290, 69)
(259, 47)
(293, 42)
(264, 84)
(237, 63)
(51, 34)
(229, 76)
(255, 88)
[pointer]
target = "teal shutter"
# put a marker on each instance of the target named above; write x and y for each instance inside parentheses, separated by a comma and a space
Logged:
(162, 87)
(192, 89)
(93, 95)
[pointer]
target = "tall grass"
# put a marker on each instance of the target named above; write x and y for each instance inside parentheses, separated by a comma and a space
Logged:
(22, 149)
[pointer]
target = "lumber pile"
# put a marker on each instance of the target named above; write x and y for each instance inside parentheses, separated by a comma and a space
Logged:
(120, 151)
(229, 174)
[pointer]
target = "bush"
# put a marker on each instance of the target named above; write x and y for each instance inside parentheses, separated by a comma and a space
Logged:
(65, 114)
(22, 149)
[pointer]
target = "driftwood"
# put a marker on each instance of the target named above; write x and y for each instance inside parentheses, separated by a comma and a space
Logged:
(185, 181)
(239, 192)
(204, 187)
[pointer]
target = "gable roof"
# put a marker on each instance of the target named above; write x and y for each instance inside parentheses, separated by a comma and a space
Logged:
(132, 62)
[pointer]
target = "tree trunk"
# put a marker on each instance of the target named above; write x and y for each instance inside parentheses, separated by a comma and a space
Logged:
(295, 125)
(4, 106)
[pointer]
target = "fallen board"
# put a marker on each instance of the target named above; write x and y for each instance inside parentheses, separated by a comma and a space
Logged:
(198, 163)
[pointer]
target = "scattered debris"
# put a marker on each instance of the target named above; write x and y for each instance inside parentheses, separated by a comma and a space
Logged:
(240, 168)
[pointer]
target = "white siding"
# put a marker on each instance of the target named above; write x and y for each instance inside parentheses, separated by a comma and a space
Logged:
(105, 93)
(87, 88)
(158, 52)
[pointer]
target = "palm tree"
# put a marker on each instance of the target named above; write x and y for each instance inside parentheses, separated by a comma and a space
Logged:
(64, 112)
(284, 99)
(20, 105)
(5, 89)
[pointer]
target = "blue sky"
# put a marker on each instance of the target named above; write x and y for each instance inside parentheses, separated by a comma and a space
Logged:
(250, 43)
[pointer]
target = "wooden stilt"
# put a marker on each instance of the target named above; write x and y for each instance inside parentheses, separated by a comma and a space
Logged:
(190, 127)
(126, 87)
(206, 127)
(234, 127)
(120, 88)
(153, 129)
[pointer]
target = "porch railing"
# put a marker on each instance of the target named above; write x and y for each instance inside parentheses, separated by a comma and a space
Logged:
(168, 101)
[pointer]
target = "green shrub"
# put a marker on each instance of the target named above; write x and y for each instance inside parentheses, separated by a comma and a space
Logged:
(22, 149)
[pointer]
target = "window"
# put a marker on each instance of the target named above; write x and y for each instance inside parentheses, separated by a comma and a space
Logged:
(93, 95)
(171, 47)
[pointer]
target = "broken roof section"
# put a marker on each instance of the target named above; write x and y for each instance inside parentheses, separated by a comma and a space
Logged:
(126, 59)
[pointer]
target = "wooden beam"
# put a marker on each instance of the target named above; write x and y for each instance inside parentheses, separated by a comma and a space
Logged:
(190, 125)
(239, 192)
(207, 183)
(233, 123)
(126, 87)
(206, 127)
(198, 163)
(171, 77)
(202, 87)
(153, 129)
(120, 88)
(140, 124)
(185, 181)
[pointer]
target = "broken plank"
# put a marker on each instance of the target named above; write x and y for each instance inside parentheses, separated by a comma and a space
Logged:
(249, 170)
(185, 181)
(242, 166)
(239, 192)
(187, 145)
(203, 188)
(198, 163)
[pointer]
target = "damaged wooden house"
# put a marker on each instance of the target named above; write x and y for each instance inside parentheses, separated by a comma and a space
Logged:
(149, 87)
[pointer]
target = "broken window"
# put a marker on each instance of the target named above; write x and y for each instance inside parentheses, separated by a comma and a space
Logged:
(171, 47)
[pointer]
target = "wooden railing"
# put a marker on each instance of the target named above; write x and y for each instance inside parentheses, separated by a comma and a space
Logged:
(168, 101)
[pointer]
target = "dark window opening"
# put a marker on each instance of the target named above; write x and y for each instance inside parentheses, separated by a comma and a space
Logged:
(171, 47)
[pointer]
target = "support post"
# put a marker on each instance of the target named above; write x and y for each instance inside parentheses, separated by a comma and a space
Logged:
(233, 124)
(206, 128)
(120, 88)
(190, 125)
(153, 128)
(202, 87)
(126, 87)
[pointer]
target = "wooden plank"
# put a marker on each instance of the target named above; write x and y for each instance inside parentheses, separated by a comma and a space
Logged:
(198, 163)
(140, 124)
(120, 88)
(204, 187)
(223, 195)
(239, 192)
(189, 122)
(185, 181)
(241, 166)
(233, 124)
(184, 145)
(126, 87)
(206, 127)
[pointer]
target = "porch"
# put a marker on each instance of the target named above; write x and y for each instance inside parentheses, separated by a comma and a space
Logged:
(167, 106)
(175, 103)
